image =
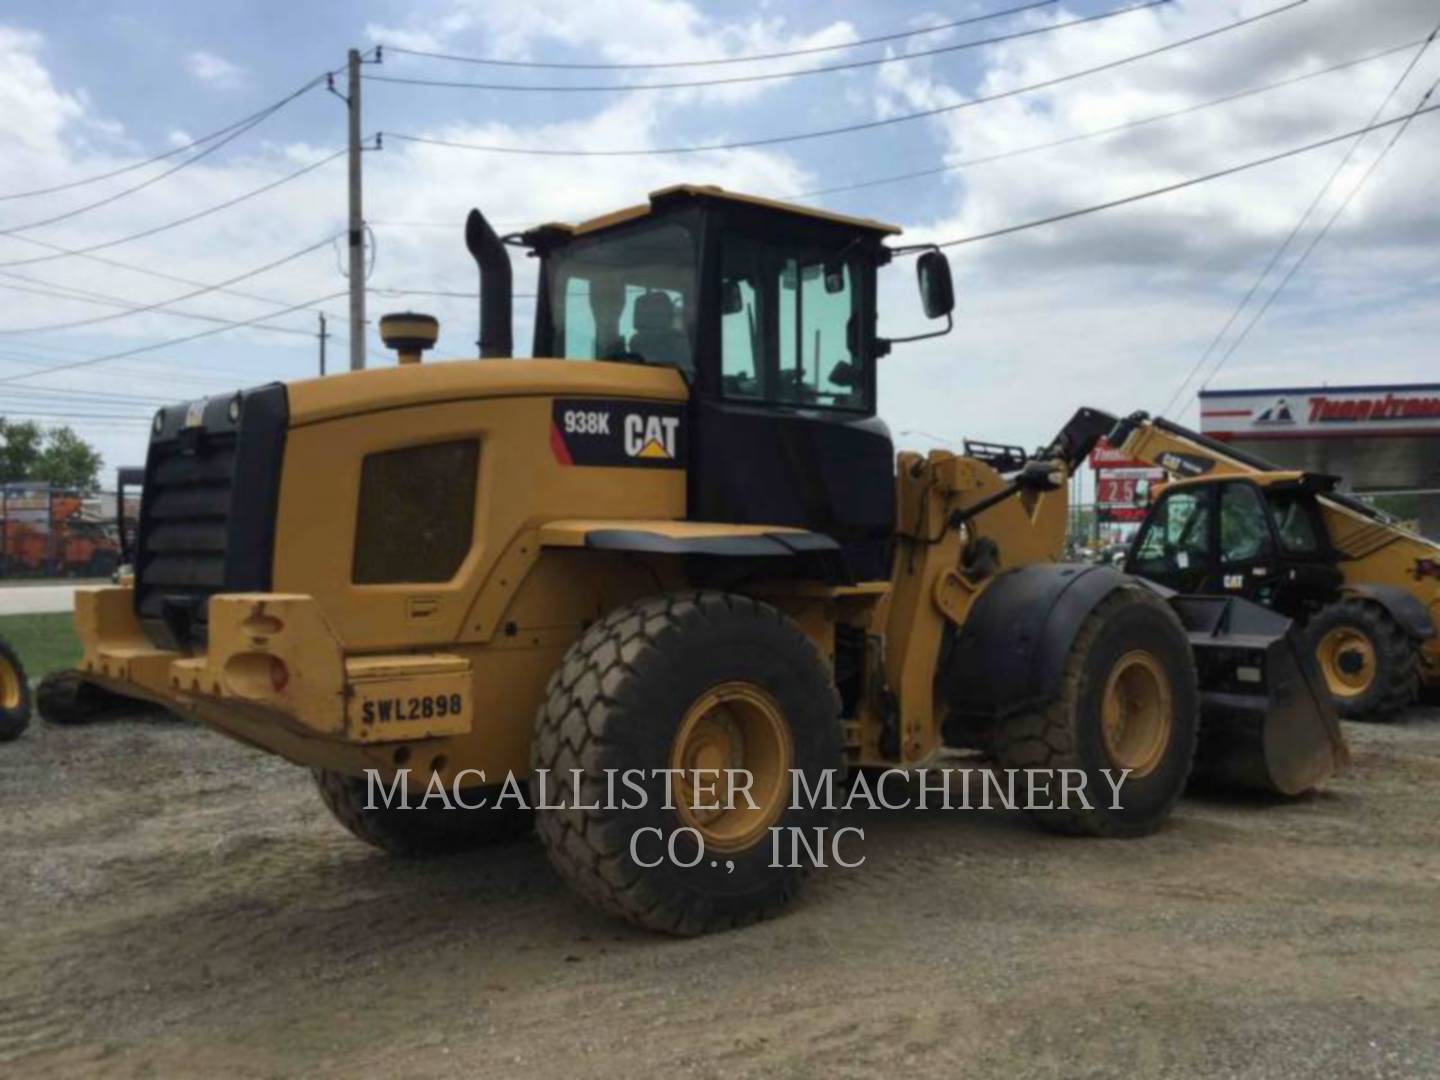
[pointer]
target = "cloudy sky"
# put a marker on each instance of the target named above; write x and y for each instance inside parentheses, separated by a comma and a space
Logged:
(1114, 309)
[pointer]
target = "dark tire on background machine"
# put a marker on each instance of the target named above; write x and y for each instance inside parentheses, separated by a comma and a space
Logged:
(1128, 699)
(417, 833)
(14, 695)
(690, 681)
(1369, 663)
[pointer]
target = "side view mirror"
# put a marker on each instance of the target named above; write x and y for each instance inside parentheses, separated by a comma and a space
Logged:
(937, 290)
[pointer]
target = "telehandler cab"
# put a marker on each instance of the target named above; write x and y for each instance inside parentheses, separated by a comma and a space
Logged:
(1365, 589)
(697, 555)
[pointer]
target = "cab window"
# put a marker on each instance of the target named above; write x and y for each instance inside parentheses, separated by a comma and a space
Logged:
(788, 327)
(1176, 535)
(626, 297)
(1295, 524)
(1244, 530)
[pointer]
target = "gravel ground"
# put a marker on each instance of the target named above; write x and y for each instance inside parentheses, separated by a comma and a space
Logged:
(175, 904)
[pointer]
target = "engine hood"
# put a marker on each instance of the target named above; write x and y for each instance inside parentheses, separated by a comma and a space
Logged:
(378, 389)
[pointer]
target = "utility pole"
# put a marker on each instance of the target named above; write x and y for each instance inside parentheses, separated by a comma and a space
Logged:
(357, 221)
(324, 336)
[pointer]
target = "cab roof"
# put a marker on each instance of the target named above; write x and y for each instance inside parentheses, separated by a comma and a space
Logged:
(669, 195)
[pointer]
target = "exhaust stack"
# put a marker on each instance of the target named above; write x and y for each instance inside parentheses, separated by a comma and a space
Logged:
(490, 256)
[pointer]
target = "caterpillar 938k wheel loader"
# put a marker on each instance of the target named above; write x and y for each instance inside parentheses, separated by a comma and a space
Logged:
(678, 544)
(1365, 588)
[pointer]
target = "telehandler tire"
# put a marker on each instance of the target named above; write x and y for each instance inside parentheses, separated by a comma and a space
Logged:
(1128, 700)
(14, 695)
(691, 681)
(419, 833)
(1370, 665)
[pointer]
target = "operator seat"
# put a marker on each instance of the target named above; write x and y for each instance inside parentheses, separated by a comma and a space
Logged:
(657, 338)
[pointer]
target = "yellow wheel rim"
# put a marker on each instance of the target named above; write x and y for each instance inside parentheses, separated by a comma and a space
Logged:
(735, 726)
(1136, 713)
(1347, 658)
(10, 688)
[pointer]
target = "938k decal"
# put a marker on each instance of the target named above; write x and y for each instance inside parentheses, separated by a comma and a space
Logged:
(628, 434)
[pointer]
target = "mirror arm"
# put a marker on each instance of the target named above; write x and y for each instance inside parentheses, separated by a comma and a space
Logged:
(883, 344)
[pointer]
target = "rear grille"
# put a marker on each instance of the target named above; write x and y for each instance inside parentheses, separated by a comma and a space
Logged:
(207, 519)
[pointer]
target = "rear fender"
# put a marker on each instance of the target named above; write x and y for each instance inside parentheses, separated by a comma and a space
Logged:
(1402, 606)
(1010, 653)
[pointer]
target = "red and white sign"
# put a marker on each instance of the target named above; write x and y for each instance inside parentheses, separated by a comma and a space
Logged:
(1321, 412)
(1124, 494)
(1105, 456)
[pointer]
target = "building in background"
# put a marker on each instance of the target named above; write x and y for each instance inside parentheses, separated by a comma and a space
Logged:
(1380, 440)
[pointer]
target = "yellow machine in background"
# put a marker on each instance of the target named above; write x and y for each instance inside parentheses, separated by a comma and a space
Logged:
(1366, 588)
(681, 544)
(14, 694)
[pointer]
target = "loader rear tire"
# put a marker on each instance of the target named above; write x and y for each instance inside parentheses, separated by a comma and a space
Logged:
(1128, 700)
(14, 695)
(694, 680)
(418, 833)
(1370, 665)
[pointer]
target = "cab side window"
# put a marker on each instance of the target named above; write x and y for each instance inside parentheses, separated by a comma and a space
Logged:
(1177, 534)
(1295, 524)
(1244, 530)
(788, 327)
(416, 517)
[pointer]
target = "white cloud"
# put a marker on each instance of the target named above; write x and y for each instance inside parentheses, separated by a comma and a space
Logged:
(213, 69)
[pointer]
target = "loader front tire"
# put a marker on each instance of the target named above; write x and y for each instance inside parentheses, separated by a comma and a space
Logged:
(1370, 665)
(14, 695)
(419, 832)
(688, 681)
(1128, 700)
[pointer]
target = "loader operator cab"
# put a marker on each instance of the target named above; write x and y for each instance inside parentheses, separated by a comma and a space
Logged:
(769, 313)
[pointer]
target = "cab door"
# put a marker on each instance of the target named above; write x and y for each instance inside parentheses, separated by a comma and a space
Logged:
(1176, 546)
(1249, 562)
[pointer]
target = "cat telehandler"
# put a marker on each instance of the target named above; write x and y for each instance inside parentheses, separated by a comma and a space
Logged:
(680, 544)
(1365, 588)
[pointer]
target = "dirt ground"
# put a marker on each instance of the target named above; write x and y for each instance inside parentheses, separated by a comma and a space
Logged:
(175, 904)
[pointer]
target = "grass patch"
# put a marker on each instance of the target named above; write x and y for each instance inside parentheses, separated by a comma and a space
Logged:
(45, 643)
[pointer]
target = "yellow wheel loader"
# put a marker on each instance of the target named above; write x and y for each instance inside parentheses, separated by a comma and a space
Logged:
(678, 546)
(1365, 588)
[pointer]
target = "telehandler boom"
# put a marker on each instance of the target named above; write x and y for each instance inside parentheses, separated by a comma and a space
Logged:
(678, 546)
(1365, 588)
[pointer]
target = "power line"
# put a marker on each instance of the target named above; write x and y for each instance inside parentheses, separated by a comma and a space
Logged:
(1294, 232)
(1192, 182)
(752, 58)
(191, 145)
(867, 125)
(1319, 236)
(160, 304)
(1096, 133)
(117, 196)
(159, 275)
(439, 292)
(188, 219)
(1021, 151)
(692, 84)
(166, 344)
(85, 296)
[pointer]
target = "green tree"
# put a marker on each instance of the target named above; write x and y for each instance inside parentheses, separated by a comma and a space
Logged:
(20, 446)
(59, 455)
